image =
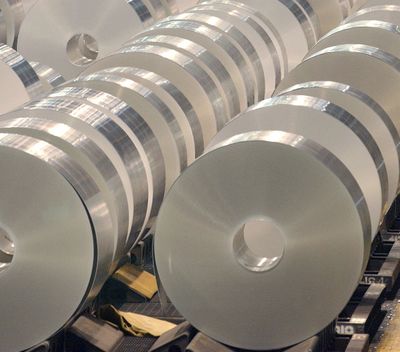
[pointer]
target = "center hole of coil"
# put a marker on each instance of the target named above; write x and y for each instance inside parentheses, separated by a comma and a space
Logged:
(82, 49)
(259, 245)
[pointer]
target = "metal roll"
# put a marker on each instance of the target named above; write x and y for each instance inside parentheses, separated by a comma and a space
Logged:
(170, 111)
(133, 153)
(243, 218)
(19, 82)
(110, 137)
(288, 19)
(323, 122)
(312, 17)
(182, 72)
(369, 113)
(382, 35)
(234, 97)
(260, 38)
(78, 39)
(371, 70)
(251, 67)
(49, 250)
(137, 130)
(329, 13)
(387, 13)
(136, 96)
(90, 158)
(47, 76)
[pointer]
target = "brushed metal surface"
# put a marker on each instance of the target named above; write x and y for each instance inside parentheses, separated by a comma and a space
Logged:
(43, 41)
(369, 113)
(263, 175)
(325, 123)
(180, 70)
(54, 251)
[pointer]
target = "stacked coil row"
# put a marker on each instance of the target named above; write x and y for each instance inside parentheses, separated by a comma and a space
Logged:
(23, 81)
(66, 35)
(274, 222)
(88, 165)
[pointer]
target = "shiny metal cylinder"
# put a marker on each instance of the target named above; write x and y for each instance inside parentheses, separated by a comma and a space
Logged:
(227, 213)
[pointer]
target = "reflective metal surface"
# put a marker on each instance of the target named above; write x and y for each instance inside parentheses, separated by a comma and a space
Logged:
(19, 82)
(329, 14)
(284, 16)
(373, 71)
(369, 113)
(179, 69)
(260, 38)
(177, 102)
(252, 68)
(78, 39)
(387, 13)
(137, 129)
(135, 95)
(312, 17)
(325, 123)
(232, 194)
(234, 97)
(90, 158)
(111, 139)
(130, 149)
(48, 77)
(379, 34)
(54, 252)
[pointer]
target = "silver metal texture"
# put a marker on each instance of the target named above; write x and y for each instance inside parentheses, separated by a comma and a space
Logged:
(387, 13)
(48, 76)
(19, 81)
(369, 69)
(182, 71)
(78, 39)
(234, 97)
(139, 97)
(369, 113)
(90, 158)
(260, 38)
(175, 100)
(325, 123)
(255, 180)
(133, 153)
(115, 143)
(50, 249)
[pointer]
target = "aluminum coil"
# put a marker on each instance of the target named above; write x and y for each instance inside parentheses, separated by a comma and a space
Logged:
(66, 35)
(19, 82)
(56, 250)
(369, 113)
(250, 185)
(135, 95)
(371, 70)
(47, 76)
(260, 38)
(382, 35)
(94, 163)
(323, 121)
(182, 72)
(387, 13)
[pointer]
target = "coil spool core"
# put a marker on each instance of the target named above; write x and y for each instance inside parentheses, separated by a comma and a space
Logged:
(259, 245)
(82, 49)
